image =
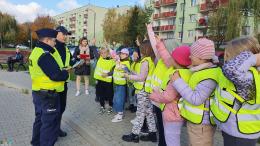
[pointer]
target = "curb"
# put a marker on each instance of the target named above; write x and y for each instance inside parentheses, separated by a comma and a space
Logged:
(86, 135)
(15, 86)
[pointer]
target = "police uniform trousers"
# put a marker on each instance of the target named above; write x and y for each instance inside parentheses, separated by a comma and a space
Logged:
(63, 102)
(47, 111)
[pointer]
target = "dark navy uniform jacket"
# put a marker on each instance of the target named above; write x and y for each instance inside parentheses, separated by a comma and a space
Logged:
(48, 64)
(62, 51)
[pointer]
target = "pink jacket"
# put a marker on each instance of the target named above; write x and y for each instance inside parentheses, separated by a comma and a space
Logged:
(170, 97)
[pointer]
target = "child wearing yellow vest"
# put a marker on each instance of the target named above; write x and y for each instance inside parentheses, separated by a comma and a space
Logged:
(144, 105)
(104, 86)
(242, 66)
(120, 84)
(197, 92)
(172, 121)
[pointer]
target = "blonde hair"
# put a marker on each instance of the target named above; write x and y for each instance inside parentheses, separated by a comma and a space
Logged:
(104, 49)
(238, 45)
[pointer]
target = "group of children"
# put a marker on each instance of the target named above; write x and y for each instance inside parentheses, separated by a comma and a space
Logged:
(186, 86)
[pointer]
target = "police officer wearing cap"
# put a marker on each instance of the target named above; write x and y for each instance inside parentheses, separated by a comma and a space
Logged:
(67, 61)
(47, 82)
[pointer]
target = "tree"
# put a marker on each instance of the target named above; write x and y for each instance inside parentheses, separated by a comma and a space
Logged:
(8, 28)
(217, 21)
(110, 25)
(136, 27)
(41, 22)
(124, 28)
(23, 34)
(226, 22)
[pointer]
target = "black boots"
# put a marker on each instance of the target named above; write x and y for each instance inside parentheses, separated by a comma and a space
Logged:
(149, 137)
(62, 133)
(131, 138)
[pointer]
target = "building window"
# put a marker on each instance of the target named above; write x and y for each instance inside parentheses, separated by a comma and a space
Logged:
(179, 35)
(190, 33)
(192, 18)
(170, 35)
(171, 22)
(182, 6)
(245, 30)
(180, 21)
(193, 2)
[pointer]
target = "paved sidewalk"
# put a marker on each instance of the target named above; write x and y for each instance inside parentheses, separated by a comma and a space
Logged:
(81, 118)
(16, 120)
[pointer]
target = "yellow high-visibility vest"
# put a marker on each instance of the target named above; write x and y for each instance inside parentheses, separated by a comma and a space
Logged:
(158, 74)
(185, 75)
(191, 112)
(104, 66)
(248, 116)
(119, 72)
(39, 80)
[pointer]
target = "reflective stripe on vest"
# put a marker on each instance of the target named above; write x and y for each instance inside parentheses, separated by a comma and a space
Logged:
(248, 116)
(67, 60)
(158, 74)
(119, 72)
(195, 113)
(136, 67)
(185, 75)
(147, 85)
(39, 80)
(222, 103)
(104, 66)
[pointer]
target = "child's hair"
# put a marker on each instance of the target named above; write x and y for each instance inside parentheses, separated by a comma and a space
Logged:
(104, 49)
(83, 38)
(146, 49)
(238, 45)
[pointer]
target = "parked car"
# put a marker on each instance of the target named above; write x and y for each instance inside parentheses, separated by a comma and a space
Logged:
(22, 46)
(10, 46)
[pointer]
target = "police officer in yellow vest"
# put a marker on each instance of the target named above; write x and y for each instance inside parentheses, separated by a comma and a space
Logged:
(47, 82)
(66, 57)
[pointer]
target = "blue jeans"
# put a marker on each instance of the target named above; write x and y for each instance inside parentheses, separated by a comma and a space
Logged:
(119, 98)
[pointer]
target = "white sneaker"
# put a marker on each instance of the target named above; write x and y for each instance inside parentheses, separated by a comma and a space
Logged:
(77, 93)
(117, 118)
(133, 121)
(86, 92)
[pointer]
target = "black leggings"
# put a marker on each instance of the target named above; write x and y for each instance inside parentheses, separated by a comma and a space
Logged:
(104, 91)
(236, 141)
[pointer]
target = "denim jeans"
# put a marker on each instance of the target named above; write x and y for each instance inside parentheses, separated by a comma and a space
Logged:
(119, 98)
(131, 97)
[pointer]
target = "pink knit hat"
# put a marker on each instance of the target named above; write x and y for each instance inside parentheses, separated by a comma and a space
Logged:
(181, 55)
(203, 49)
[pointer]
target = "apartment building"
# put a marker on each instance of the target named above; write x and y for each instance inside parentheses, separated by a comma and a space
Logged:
(86, 21)
(185, 21)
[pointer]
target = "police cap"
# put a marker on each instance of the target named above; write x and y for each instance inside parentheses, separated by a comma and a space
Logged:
(46, 32)
(63, 30)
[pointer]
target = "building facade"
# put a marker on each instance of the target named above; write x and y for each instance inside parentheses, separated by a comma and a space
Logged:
(185, 21)
(85, 21)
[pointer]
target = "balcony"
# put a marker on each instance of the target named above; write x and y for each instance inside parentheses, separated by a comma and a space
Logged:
(164, 15)
(208, 5)
(164, 28)
(157, 4)
(168, 2)
(72, 18)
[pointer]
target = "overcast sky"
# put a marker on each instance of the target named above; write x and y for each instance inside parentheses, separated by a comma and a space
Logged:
(27, 10)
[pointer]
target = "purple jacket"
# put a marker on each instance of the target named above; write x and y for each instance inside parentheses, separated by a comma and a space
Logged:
(197, 96)
(237, 70)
